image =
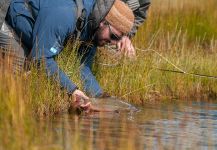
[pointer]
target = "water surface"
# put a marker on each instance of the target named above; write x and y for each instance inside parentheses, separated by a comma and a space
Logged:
(163, 125)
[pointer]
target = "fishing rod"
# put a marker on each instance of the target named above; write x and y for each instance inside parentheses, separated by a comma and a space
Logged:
(179, 70)
(186, 73)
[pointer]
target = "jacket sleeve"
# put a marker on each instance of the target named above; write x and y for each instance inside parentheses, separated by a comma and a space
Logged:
(50, 31)
(90, 83)
(55, 72)
(139, 8)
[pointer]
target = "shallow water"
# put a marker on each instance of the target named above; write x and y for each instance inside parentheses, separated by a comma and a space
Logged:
(169, 125)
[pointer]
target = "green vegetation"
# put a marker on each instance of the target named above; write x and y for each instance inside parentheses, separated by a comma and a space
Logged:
(178, 35)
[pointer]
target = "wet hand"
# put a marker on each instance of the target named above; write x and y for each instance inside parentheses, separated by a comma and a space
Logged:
(126, 47)
(80, 101)
(80, 95)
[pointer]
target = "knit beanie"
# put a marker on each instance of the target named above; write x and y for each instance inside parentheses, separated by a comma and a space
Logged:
(120, 17)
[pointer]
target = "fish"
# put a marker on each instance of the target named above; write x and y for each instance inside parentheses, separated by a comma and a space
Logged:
(108, 104)
(111, 104)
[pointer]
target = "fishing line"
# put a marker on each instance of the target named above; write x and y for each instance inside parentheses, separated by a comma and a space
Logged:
(187, 73)
(179, 70)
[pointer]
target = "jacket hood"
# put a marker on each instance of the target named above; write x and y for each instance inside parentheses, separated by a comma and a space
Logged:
(100, 10)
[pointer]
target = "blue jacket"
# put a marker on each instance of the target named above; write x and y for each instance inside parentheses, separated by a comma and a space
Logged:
(43, 26)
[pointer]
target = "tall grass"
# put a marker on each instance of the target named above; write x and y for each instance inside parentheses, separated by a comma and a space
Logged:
(177, 35)
(27, 97)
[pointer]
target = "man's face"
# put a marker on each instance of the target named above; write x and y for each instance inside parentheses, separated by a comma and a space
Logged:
(107, 34)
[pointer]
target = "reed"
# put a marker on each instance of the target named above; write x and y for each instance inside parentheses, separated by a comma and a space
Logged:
(178, 35)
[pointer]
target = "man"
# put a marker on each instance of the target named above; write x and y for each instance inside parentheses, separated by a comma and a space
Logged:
(44, 26)
(139, 8)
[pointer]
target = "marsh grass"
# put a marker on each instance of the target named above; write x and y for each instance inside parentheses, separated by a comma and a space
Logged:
(183, 32)
(178, 35)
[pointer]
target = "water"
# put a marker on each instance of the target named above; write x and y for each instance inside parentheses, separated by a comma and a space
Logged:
(170, 125)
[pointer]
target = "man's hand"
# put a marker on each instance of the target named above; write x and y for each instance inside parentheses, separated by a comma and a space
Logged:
(126, 47)
(80, 101)
(80, 95)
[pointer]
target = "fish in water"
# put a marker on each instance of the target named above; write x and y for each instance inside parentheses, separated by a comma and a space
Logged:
(110, 104)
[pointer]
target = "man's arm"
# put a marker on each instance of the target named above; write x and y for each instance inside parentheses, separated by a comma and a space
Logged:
(50, 31)
(90, 84)
(54, 71)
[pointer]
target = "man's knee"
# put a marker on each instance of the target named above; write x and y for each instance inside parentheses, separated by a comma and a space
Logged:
(10, 48)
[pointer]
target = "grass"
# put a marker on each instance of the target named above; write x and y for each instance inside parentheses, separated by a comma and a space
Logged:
(177, 35)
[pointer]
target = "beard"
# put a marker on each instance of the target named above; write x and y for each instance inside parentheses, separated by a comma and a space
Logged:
(98, 37)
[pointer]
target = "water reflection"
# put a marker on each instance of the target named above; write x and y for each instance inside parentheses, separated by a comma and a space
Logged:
(184, 126)
(173, 125)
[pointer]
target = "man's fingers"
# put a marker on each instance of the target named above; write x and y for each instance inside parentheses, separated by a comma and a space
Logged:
(132, 51)
(86, 105)
(119, 45)
(85, 97)
(123, 44)
(127, 47)
(80, 94)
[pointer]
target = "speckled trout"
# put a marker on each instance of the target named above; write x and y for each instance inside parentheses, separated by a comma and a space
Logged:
(110, 104)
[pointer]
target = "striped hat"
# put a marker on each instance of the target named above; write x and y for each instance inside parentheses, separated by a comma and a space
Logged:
(120, 17)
